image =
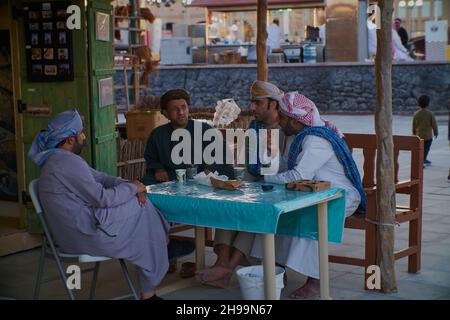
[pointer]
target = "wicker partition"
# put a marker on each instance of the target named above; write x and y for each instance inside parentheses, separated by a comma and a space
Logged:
(131, 163)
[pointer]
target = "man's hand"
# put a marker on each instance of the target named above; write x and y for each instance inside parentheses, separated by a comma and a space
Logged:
(161, 175)
(272, 146)
(142, 198)
(141, 188)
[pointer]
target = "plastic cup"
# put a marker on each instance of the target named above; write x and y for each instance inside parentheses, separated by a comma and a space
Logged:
(181, 175)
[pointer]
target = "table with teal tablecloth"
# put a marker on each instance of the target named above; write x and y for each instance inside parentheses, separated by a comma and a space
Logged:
(319, 215)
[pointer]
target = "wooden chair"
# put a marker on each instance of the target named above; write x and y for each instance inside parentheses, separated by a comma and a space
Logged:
(411, 213)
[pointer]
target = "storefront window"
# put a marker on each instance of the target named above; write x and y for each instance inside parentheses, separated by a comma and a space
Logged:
(414, 13)
(241, 27)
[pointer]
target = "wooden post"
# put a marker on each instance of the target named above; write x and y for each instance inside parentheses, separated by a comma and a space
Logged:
(385, 155)
(200, 247)
(269, 266)
(261, 39)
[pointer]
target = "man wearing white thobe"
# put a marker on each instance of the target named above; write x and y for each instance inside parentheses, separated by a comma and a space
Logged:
(311, 155)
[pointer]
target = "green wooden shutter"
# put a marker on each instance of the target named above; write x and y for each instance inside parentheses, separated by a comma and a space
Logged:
(101, 67)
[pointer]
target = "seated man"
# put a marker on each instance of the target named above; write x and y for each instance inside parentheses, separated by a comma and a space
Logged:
(92, 213)
(233, 247)
(316, 152)
(160, 166)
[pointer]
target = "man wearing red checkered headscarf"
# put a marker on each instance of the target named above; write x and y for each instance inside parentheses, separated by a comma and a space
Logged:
(312, 156)
(299, 107)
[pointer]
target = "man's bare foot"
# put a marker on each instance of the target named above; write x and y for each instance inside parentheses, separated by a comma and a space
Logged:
(214, 273)
(310, 289)
(220, 283)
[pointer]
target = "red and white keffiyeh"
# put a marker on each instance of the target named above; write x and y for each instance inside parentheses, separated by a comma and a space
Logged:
(300, 108)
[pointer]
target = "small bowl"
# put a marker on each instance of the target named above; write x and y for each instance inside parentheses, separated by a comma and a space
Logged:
(267, 187)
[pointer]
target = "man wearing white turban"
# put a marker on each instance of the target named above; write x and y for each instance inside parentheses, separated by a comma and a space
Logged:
(317, 151)
(93, 213)
(233, 247)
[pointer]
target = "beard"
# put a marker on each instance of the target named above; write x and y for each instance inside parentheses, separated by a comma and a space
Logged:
(289, 130)
(77, 147)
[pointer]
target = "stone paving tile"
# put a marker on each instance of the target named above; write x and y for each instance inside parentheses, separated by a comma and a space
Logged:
(433, 237)
(433, 217)
(437, 226)
(432, 277)
(407, 289)
(418, 291)
(440, 249)
(435, 262)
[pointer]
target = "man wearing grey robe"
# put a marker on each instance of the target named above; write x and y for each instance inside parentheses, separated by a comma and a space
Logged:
(92, 213)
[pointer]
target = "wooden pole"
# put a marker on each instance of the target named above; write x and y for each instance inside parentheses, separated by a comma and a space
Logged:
(261, 39)
(385, 155)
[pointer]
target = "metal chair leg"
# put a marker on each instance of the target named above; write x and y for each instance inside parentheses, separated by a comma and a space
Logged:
(94, 281)
(57, 260)
(37, 288)
(128, 278)
(64, 279)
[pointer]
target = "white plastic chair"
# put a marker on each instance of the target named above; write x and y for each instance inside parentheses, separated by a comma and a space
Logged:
(49, 250)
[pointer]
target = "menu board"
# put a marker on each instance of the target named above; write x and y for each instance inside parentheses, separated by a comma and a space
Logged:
(48, 45)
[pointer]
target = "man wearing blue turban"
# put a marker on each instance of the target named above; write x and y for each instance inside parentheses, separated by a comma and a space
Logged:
(93, 213)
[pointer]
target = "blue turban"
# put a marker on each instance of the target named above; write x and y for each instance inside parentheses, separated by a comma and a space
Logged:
(61, 127)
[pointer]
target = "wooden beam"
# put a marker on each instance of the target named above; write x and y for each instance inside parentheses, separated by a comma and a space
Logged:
(261, 39)
(385, 156)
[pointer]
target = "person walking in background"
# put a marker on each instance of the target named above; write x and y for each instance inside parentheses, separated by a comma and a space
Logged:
(248, 32)
(424, 125)
(274, 35)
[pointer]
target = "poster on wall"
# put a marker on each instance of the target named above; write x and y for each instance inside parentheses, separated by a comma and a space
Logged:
(102, 26)
(49, 50)
(105, 92)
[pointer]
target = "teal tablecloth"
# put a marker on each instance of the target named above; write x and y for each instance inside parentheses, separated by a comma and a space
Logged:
(249, 208)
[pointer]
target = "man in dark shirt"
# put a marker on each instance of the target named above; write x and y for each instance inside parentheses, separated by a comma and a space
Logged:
(160, 166)
(402, 32)
(158, 151)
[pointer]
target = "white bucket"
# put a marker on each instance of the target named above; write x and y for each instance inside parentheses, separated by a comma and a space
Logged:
(251, 281)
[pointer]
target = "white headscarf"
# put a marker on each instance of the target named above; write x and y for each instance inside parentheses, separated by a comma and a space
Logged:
(263, 89)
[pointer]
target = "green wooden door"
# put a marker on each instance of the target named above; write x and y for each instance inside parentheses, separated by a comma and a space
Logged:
(56, 96)
(101, 72)
(91, 67)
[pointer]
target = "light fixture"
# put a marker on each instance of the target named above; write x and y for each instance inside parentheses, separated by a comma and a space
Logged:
(411, 3)
(419, 3)
(402, 4)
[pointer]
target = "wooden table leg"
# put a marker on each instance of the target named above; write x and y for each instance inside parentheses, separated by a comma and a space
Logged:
(323, 251)
(269, 266)
(200, 248)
